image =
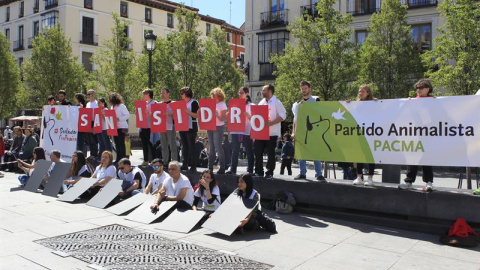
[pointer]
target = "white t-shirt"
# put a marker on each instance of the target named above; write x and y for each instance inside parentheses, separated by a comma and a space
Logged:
(92, 105)
(207, 206)
(219, 107)
(296, 104)
(6, 134)
(158, 181)
(173, 189)
(102, 172)
(275, 109)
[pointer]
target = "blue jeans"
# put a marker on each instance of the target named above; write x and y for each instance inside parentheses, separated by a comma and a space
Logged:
(303, 167)
(247, 143)
(215, 140)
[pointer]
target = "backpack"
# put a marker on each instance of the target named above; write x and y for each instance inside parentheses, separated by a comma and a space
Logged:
(283, 207)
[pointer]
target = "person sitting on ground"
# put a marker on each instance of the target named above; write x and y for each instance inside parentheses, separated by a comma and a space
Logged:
(55, 157)
(156, 179)
(131, 176)
(287, 154)
(256, 218)
(104, 172)
(208, 192)
(38, 154)
(79, 168)
(176, 188)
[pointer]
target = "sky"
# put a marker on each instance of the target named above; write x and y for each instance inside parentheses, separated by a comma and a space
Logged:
(220, 9)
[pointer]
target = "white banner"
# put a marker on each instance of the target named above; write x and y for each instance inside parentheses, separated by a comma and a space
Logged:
(443, 131)
(59, 130)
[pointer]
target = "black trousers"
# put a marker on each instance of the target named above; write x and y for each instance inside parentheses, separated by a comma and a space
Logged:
(92, 144)
(188, 148)
(120, 144)
(286, 163)
(147, 146)
(259, 147)
(371, 168)
(427, 173)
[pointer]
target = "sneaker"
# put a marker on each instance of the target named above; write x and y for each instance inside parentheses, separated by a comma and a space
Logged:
(257, 175)
(300, 176)
(368, 183)
(357, 181)
(221, 171)
(269, 176)
(406, 185)
(428, 187)
(321, 178)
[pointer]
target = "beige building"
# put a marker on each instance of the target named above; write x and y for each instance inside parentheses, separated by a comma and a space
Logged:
(266, 22)
(88, 22)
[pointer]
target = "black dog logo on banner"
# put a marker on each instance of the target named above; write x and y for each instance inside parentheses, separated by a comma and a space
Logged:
(310, 126)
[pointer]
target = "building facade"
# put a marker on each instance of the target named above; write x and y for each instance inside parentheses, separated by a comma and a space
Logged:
(266, 32)
(88, 22)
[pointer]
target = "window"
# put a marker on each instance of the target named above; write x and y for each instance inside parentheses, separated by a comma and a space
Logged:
(7, 16)
(276, 5)
(124, 9)
(21, 12)
(360, 36)
(242, 56)
(36, 28)
(88, 4)
(18, 44)
(276, 15)
(422, 37)
(87, 62)
(209, 27)
(170, 20)
(231, 54)
(50, 3)
(49, 19)
(270, 44)
(20, 62)
(148, 15)
(7, 34)
(87, 36)
(229, 37)
(36, 6)
(242, 40)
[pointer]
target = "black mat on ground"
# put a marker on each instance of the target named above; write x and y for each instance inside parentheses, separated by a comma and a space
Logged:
(35, 180)
(181, 221)
(229, 215)
(57, 176)
(106, 194)
(143, 214)
(78, 189)
(128, 204)
(119, 247)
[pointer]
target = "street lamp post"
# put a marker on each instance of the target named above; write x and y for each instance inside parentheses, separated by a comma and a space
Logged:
(150, 39)
(244, 67)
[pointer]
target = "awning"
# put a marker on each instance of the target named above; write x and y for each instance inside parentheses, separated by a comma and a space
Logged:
(26, 118)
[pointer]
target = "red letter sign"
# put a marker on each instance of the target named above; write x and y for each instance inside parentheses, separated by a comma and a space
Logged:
(259, 120)
(84, 119)
(97, 120)
(159, 120)
(141, 113)
(207, 119)
(236, 115)
(179, 115)
(111, 122)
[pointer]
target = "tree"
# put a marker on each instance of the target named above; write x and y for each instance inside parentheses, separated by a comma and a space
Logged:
(52, 67)
(455, 60)
(10, 83)
(116, 65)
(187, 54)
(323, 55)
(216, 68)
(389, 62)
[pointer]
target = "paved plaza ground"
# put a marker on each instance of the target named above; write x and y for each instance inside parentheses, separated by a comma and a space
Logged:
(303, 241)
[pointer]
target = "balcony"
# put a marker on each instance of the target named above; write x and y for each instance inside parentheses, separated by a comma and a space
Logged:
(18, 45)
(421, 3)
(87, 38)
(364, 11)
(274, 19)
(51, 4)
(309, 10)
(266, 71)
(20, 15)
(36, 9)
(30, 42)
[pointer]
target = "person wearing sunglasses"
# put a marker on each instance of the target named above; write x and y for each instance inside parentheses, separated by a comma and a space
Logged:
(131, 177)
(157, 178)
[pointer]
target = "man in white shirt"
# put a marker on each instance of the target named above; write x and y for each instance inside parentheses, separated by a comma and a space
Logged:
(157, 178)
(132, 178)
(93, 139)
(7, 133)
(176, 188)
(276, 114)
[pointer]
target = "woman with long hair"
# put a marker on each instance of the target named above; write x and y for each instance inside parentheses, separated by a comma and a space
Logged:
(121, 110)
(38, 154)
(79, 168)
(208, 192)
(215, 136)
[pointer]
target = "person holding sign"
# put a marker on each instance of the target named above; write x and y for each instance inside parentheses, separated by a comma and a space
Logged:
(215, 136)
(104, 140)
(424, 89)
(145, 132)
(122, 126)
(167, 139)
(276, 114)
(93, 139)
(188, 137)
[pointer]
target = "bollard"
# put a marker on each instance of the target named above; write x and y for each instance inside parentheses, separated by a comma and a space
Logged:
(391, 173)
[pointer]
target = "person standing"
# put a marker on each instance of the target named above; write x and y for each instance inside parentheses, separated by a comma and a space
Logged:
(215, 136)
(122, 116)
(62, 98)
(287, 154)
(276, 114)
(167, 139)
(306, 91)
(7, 133)
(79, 100)
(93, 139)
(105, 144)
(188, 137)
(147, 146)
(424, 89)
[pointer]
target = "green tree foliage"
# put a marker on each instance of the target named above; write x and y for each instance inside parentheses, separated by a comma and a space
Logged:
(323, 55)
(455, 61)
(51, 67)
(10, 84)
(116, 65)
(389, 62)
(216, 69)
